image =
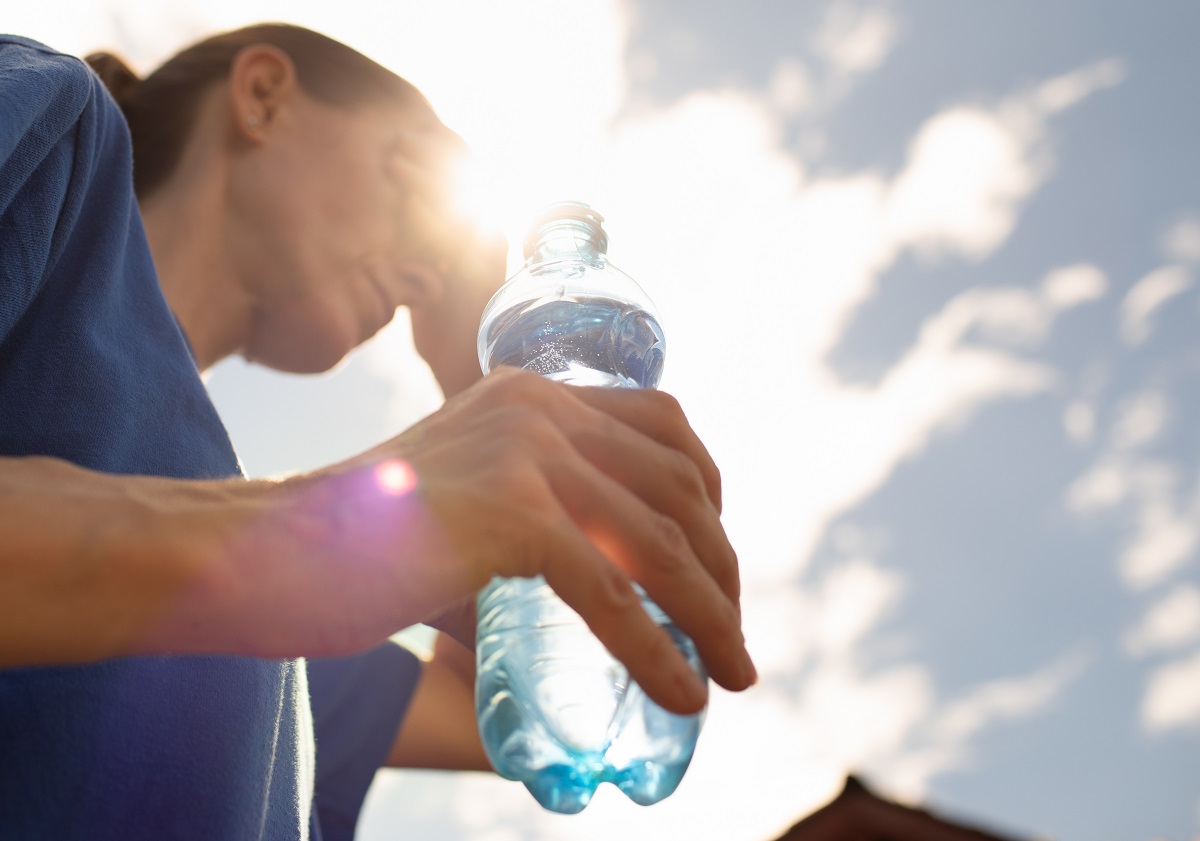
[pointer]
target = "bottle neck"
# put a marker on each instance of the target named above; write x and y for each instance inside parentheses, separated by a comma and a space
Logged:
(567, 239)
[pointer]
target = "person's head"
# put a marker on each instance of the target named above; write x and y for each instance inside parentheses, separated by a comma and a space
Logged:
(323, 167)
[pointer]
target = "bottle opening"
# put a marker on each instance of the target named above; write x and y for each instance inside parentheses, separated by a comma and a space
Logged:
(570, 228)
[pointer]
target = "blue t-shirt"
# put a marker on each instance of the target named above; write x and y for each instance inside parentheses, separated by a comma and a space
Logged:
(94, 370)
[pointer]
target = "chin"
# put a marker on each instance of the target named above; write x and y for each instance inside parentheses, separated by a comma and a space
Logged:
(300, 358)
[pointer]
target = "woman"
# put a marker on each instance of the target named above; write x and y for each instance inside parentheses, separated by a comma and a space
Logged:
(290, 196)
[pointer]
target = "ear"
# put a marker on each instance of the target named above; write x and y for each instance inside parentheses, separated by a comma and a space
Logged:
(262, 79)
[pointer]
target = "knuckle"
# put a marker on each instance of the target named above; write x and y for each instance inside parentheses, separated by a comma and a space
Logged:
(527, 557)
(689, 476)
(542, 437)
(509, 385)
(610, 597)
(619, 592)
(528, 431)
(667, 404)
(672, 538)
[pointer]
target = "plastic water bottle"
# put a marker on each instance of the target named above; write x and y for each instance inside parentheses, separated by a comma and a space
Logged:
(555, 710)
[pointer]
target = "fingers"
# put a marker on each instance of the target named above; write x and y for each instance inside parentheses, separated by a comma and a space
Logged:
(675, 487)
(642, 510)
(605, 599)
(634, 429)
(655, 550)
(658, 416)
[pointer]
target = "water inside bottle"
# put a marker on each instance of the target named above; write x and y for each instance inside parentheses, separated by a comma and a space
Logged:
(585, 340)
(556, 710)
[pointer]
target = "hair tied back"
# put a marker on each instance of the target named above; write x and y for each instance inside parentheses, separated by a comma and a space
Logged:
(115, 74)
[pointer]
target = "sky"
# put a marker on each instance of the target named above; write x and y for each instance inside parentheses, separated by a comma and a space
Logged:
(928, 277)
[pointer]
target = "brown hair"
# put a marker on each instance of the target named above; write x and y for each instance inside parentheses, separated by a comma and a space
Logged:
(161, 108)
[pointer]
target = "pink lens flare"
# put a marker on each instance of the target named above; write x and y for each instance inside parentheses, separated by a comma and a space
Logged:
(395, 477)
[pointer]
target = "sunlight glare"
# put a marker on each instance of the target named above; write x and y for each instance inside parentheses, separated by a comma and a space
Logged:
(477, 196)
(395, 477)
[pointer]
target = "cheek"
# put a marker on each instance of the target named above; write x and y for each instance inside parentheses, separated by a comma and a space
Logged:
(359, 206)
(322, 226)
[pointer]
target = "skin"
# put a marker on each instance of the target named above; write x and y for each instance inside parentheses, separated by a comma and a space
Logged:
(264, 254)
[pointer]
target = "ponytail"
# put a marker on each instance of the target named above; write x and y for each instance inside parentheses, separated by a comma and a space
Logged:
(114, 73)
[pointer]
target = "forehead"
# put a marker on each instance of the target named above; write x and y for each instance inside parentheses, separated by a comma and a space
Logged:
(411, 113)
(416, 121)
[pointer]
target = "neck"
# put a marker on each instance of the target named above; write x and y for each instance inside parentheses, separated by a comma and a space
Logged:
(188, 232)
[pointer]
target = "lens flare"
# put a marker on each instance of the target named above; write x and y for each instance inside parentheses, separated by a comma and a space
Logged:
(395, 477)
(476, 193)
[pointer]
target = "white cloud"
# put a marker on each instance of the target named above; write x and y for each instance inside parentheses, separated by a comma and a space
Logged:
(1141, 420)
(1181, 241)
(1071, 88)
(851, 40)
(1073, 285)
(1079, 421)
(1007, 698)
(855, 37)
(1104, 486)
(864, 718)
(959, 193)
(1165, 541)
(970, 168)
(1024, 317)
(943, 741)
(1164, 519)
(1172, 698)
(1146, 297)
(855, 596)
(756, 245)
(779, 654)
(1172, 622)
(791, 86)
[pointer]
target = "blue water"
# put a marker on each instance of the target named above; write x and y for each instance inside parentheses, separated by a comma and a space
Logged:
(583, 340)
(557, 712)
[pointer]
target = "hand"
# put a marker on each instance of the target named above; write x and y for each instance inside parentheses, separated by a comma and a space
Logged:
(593, 488)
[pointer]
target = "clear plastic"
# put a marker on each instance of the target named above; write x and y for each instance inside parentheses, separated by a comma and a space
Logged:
(555, 710)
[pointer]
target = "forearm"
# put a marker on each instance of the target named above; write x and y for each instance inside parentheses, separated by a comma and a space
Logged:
(88, 567)
(95, 566)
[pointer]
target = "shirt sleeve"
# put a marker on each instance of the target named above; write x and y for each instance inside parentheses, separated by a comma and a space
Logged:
(44, 96)
(357, 703)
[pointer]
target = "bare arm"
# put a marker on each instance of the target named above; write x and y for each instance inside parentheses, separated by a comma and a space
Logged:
(90, 562)
(517, 476)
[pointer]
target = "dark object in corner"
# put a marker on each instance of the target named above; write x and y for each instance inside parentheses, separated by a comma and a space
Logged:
(858, 814)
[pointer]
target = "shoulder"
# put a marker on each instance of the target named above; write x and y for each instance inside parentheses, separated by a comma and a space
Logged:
(42, 91)
(28, 65)
(62, 139)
